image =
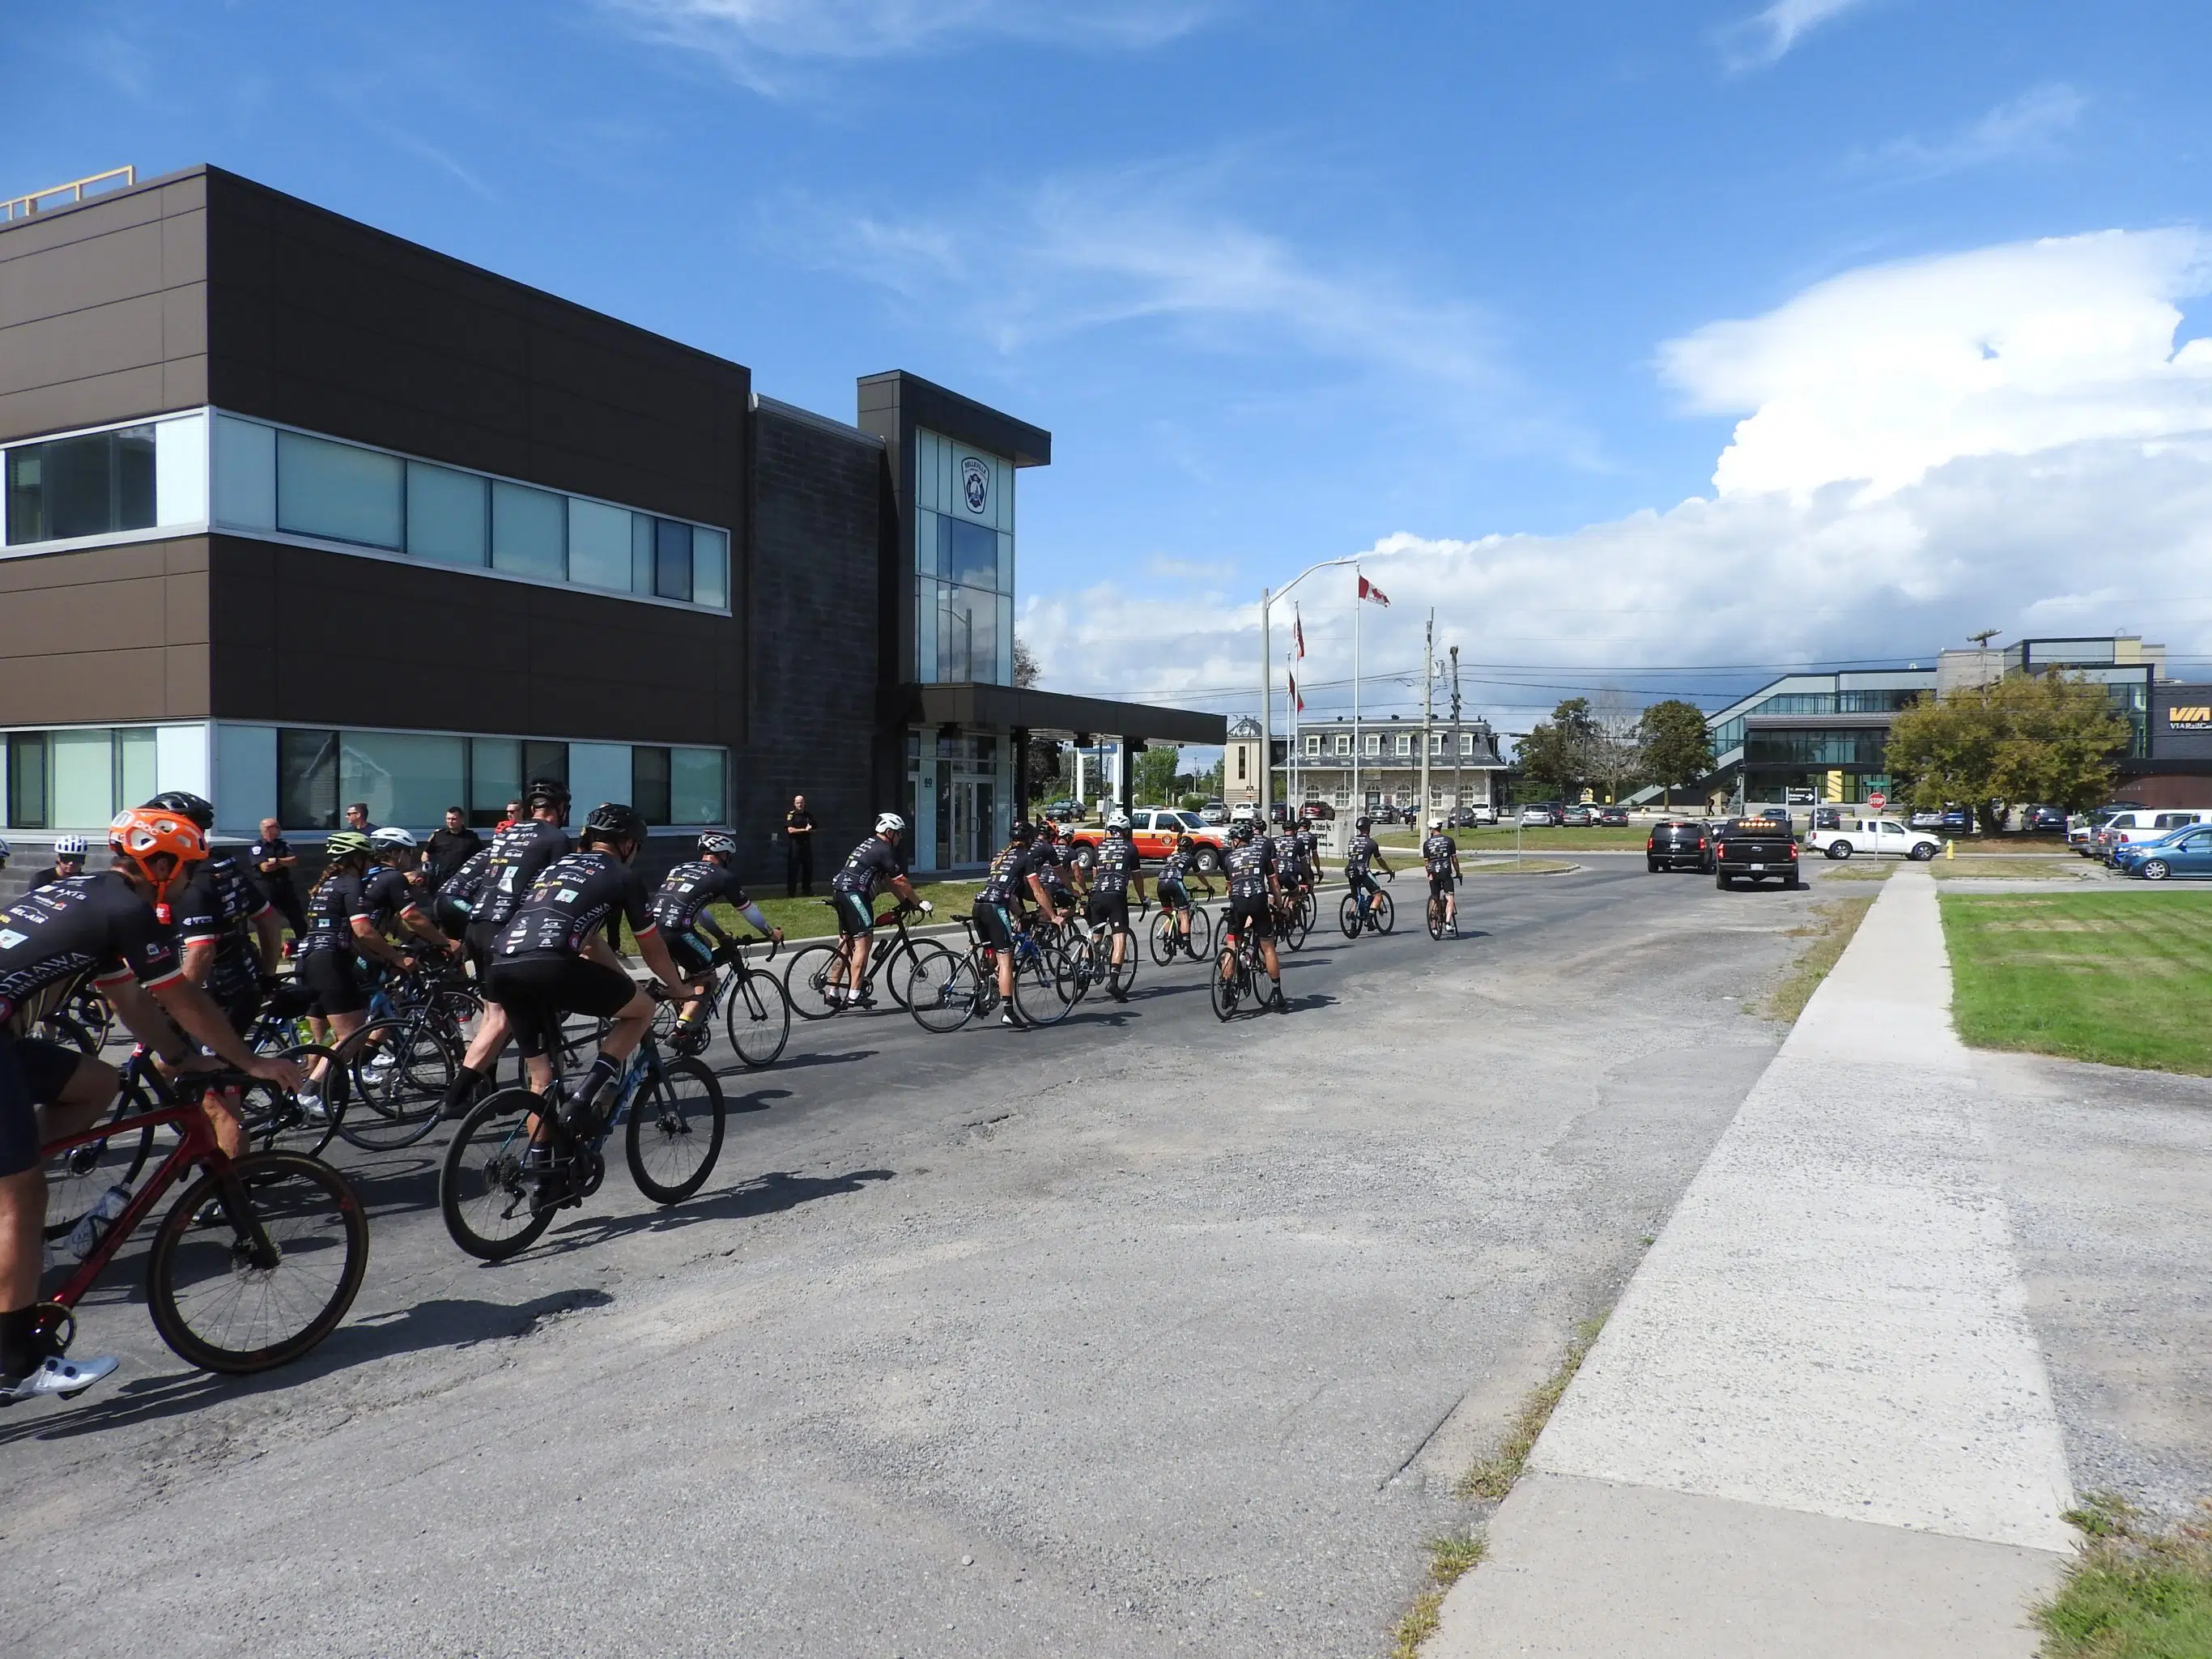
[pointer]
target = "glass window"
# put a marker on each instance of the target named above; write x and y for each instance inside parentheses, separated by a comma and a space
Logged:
(598, 545)
(1312, 745)
(1344, 743)
(407, 778)
(1373, 742)
(641, 552)
(89, 486)
(27, 781)
(671, 559)
(710, 568)
(134, 765)
(447, 515)
(1006, 562)
(83, 766)
(969, 555)
(308, 778)
(180, 471)
(340, 491)
(1405, 744)
(649, 783)
(494, 778)
(245, 473)
(528, 530)
(545, 760)
(694, 787)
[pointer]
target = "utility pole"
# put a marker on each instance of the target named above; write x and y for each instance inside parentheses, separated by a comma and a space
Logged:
(1267, 706)
(1457, 799)
(1428, 715)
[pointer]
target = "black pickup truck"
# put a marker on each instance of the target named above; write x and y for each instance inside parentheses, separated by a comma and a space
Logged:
(1755, 849)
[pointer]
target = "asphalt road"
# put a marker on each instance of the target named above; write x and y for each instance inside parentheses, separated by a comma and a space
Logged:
(1140, 1334)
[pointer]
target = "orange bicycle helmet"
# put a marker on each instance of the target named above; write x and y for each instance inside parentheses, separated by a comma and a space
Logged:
(139, 833)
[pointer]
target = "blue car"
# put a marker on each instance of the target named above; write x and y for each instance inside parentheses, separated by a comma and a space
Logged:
(2186, 852)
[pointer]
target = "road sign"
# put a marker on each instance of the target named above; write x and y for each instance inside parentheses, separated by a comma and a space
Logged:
(1877, 800)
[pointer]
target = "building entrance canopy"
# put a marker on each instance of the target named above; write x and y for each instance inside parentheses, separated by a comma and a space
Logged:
(1012, 709)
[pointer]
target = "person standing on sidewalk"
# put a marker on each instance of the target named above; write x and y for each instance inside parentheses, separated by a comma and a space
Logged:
(799, 850)
(272, 860)
(451, 848)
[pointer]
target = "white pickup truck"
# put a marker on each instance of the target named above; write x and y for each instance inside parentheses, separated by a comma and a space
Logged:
(1875, 837)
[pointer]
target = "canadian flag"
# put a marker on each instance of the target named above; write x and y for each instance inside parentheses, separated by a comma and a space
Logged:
(1295, 697)
(1369, 591)
(1298, 633)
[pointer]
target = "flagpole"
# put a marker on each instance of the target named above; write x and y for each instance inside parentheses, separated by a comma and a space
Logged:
(1358, 606)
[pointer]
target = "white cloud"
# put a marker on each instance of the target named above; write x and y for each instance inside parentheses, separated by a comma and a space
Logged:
(1767, 34)
(2027, 125)
(761, 42)
(2007, 438)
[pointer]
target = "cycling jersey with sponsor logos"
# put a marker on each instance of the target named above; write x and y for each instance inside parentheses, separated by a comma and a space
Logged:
(463, 886)
(1363, 848)
(1249, 863)
(1112, 865)
(331, 909)
(520, 853)
(1438, 852)
(573, 896)
(387, 894)
(1178, 865)
(869, 869)
(1308, 846)
(219, 902)
(85, 922)
(1053, 864)
(690, 888)
(1008, 882)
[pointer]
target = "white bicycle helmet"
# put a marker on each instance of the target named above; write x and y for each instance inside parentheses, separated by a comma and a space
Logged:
(717, 841)
(69, 847)
(1436, 824)
(1117, 820)
(891, 823)
(393, 835)
(4, 852)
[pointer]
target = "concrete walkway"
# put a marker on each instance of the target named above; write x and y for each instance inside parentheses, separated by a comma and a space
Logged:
(1818, 1422)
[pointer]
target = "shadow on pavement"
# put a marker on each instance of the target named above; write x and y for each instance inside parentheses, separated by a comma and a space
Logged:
(765, 1194)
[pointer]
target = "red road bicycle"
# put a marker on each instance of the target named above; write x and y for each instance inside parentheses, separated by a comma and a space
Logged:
(253, 1265)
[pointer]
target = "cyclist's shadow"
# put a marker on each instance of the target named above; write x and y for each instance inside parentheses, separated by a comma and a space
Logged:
(770, 1193)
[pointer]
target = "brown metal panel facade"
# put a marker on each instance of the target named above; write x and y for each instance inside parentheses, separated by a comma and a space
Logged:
(107, 635)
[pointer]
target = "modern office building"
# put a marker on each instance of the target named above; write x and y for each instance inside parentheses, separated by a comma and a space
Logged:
(297, 513)
(1315, 764)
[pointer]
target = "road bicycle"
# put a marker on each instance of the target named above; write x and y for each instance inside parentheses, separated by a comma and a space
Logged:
(816, 970)
(1381, 917)
(518, 1157)
(255, 1263)
(1293, 919)
(1167, 936)
(1044, 989)
(396, 1067)
(1440, 922)
(1092, 959)
(754, 1009)
(1239, 973)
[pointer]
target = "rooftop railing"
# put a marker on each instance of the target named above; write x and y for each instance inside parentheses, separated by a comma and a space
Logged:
(68, 195)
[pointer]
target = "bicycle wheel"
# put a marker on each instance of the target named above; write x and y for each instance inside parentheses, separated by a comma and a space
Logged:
(399, 1071)
(1044, 992)
(1164, 937)
(1293, 935)
(483, 1192)
(1436, 917)
(1347, 915)
(1119, 979)
(675, 1131)
(807, 981)
(301, 1123)
(1225, 987)
(923, 964)
(1201, 933)
(76, 1178)
(1382, 914)
(950, 1001)
(758, 1016)
(236, 1292)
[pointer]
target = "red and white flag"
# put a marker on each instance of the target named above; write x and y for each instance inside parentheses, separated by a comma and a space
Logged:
(1298, 632)
(1369, 591)
(1299, 702)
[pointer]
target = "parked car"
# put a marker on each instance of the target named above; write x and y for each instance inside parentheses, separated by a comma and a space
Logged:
(2124, 828)
(2044, 821)
(1468, 817)
(1959, 820)
(1757, 850)
(1926, 818)
(2187, 853)
(1318, 809)
(1215, 812)
(1612, 817)
(1537, 817)
(1679, 844)
(1875, 837)
(1244, 811)
(1064, 811)
(1578, 816)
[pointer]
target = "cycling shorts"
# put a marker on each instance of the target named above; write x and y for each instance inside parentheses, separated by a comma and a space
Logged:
(1253, 917)
(855, 915)
(33, 1073)
(1361, 881)
(479, 941)
(539, 991)
(994, 924)
(694, 956)
(241, 1005)
(1108, 909)
(1174, 896)
(335, 980)
(452, 918)
(1440, 886)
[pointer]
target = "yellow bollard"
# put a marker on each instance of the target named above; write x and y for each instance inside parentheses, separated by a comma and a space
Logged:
(1950, 849)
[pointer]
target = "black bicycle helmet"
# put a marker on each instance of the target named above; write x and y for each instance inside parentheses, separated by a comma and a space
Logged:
(186, 804)
(1364, 825)
(544, 792)
(614, 821)
(1184, 844)
(1241, 830)
(1024, 831)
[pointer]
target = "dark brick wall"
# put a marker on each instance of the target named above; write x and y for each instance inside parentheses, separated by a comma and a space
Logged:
(817, 527)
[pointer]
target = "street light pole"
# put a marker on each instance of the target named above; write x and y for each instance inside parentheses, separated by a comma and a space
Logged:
(1268, 597)
(1428, 712)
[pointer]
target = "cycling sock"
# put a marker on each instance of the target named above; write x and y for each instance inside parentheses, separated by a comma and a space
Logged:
(19, 1351)
(462, 1089)
(603, 1072)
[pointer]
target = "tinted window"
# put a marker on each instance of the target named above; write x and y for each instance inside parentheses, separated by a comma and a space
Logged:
(88, 486)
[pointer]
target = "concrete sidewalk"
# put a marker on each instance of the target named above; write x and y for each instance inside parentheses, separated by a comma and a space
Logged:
(1818, 1422)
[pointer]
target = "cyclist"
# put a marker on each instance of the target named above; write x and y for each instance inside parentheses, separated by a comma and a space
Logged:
(1056, 866)
(1013, 879)
(216, 910)
(552, 959)
(1440, 854)
(1114, 866)
(342, 925)
(1364, 851)
(1253, 889)
(1181, 867)
(1308, 843)
(680, 909)
(395, 890)
(69, 861)
(517, 855)
(872, 865)
(105, 924)
(457, 894)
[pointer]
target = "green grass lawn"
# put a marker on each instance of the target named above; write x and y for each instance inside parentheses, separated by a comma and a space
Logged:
(2120, 978)
(1500, 839)
(2138, 1591)
(810, 918)
(1967, 866)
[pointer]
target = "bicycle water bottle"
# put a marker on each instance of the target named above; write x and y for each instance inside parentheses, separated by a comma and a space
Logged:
(92, 1227)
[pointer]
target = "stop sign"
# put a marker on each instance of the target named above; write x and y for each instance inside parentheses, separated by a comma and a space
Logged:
(1877, 800)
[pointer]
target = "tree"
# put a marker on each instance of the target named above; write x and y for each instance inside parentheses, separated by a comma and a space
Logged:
(2045, 738)
(1677, 744)
(1616, 757)
(1556, 754)
(1156, 774)
(1048, 761)
(1026, 671)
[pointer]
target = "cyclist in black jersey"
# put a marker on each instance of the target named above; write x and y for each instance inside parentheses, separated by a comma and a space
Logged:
(872, 865)
(1114, 867)
(1012, 882)
(69, 861)
(456, 895)
(1364, 850)
(680, 907)
(1440, 853)
(1254, 888)
(342, 926)
(396, 889)
(1055, 863)
(105, 926)
(552, 959)
(1175, 875)
(516, 857)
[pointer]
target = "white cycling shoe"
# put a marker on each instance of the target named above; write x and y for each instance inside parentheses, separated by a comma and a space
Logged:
(57, 1376)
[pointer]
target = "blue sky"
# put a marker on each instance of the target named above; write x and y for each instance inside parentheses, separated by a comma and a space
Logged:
(1484, 290)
